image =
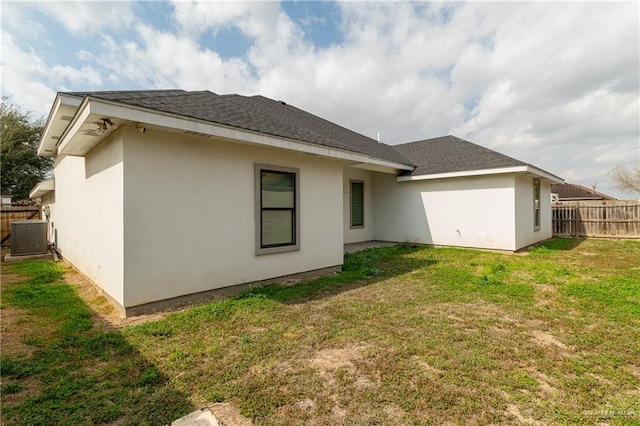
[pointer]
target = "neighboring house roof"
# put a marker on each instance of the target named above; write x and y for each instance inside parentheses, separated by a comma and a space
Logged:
(450, 154)
(572, 191)
(255, 113)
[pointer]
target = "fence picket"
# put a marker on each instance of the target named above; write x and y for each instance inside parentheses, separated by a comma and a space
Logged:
(618, 219)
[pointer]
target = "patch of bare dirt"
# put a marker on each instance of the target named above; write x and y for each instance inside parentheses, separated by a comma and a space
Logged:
(16, 326)
(546, 383)
(328, 363)
(546, 294)
(228, 415)
(30, 388)
(513, 411)
(635, 370)
(394, 412)
(306, 404)
(427, 368)
(330, 360)
(12, 278)
(547, 339)
(106, 315)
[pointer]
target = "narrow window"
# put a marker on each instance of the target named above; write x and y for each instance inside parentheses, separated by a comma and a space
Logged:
(357, 204)
(536, 204)
(276, 209)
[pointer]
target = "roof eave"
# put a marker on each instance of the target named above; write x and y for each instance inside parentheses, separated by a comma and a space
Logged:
(526, 168)
(71, 144)
(42, 188)
(63, 105)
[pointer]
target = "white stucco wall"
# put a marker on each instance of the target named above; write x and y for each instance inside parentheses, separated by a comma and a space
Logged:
(354, 235)
(189, 221)
(467, 212)
(525, 232)
(88, 214)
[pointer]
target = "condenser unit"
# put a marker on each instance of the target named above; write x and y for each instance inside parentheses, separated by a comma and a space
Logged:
(28, 237)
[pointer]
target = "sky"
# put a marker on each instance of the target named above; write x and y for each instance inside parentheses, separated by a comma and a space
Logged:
(554, 84)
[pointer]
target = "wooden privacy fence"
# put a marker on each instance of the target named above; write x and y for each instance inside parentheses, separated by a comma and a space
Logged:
(12, 214)
(617, 219)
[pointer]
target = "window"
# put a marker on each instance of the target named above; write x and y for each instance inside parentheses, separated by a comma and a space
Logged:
(536, 204)
(357, 204)
(277, 225)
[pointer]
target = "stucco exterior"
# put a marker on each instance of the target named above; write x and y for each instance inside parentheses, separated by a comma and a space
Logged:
(526, 234)
(189, 215)
(366, 232)
(88, 214)
(492, 211)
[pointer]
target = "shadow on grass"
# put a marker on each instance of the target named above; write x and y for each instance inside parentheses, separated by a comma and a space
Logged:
(78, 374)
(360, 269)
(558, 244)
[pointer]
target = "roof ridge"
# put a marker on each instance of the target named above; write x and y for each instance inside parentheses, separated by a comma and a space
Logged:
(126, 91)
(493, 151)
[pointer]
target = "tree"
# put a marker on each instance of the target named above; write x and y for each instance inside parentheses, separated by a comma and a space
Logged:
(626, 179)
(20, 165)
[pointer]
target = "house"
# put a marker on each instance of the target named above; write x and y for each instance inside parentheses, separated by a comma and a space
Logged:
(164, 196)
(575, 192)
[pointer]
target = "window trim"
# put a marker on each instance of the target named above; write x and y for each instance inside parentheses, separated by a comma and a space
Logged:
(536, 204)
(351, 225)
(258, 169)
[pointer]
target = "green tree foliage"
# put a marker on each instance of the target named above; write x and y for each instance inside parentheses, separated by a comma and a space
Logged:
(21, 167)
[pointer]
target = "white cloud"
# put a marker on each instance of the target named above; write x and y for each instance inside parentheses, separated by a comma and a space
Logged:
(166, 60)
(90, 16)
(553, 84)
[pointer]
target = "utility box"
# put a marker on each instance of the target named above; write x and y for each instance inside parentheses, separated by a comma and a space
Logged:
(28, 237)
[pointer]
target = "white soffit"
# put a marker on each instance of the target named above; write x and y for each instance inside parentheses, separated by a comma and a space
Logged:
(42, 188)
(62, 112)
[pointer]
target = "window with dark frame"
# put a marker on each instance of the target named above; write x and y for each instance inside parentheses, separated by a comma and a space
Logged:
(276, 209)
(357, 204)
(536, 204)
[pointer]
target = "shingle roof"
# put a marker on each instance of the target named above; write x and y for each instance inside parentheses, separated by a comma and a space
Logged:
(254, 113)
(449, 154)
(571, 191)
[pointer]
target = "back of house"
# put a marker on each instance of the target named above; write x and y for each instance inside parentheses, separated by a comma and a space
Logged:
(162, 197)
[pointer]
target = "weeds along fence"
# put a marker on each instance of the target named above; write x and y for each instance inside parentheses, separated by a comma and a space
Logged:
(608, 219)
(10, 214)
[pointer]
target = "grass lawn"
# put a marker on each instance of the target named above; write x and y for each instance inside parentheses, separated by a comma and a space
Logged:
(405, 335)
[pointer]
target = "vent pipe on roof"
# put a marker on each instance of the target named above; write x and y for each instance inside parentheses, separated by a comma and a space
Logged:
(378, 137)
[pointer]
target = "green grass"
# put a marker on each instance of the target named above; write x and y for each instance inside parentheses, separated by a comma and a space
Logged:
(405, 335)
(81, 375)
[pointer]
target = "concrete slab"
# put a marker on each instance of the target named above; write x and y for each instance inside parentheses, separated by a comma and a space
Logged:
(9, 258)
(202, 417)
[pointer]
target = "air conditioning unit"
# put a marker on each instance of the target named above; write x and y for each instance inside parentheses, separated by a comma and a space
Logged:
(28, 237)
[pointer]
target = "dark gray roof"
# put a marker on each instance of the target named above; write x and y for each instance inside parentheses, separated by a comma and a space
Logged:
(572, 191)
(449, 154)
(255, 113)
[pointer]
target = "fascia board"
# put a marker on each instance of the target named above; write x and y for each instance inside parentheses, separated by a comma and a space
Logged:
(546, 175)
(515, 169)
